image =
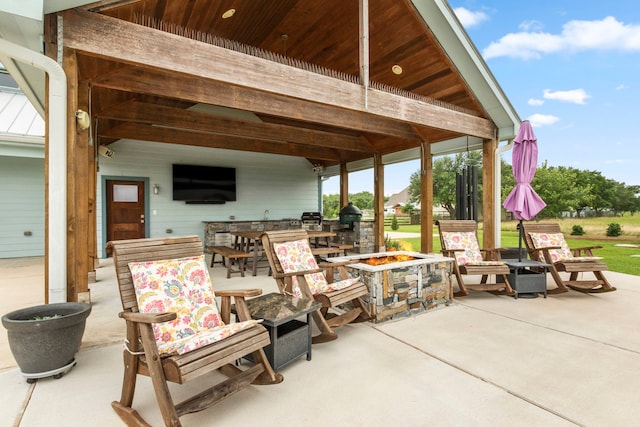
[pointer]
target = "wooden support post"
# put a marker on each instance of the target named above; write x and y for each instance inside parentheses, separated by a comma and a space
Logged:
(344, 185)
(378, 200)
(77, 184)
(426, 198)
(489, 196)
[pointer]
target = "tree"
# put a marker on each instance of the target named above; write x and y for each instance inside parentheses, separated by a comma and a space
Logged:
(363, 199)
(330, 205)
(407, 209)
(508, 181)
(625, 198)
(394, 222)
(599, 196)
(557, 187)
(444, 179)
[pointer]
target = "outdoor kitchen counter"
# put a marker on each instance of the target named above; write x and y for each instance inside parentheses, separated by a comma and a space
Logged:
(405, 287)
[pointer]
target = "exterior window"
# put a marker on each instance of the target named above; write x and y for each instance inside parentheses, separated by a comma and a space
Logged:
(125, 193)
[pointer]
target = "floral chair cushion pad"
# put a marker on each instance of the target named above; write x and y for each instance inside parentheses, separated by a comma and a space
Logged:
(465, 245)
(296, 256)
(564, 254)
(182, 286)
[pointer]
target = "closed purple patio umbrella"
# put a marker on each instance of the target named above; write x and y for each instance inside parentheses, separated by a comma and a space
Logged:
(523, 201)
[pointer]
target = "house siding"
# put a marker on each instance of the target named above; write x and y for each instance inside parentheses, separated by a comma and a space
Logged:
(286, 186)
(21, 207)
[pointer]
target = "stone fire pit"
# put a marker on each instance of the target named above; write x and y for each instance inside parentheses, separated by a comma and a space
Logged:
(405, 287)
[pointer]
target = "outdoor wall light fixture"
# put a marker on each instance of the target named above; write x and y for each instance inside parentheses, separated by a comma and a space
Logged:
(396, 69)
(105, 152)
(228, 14)
(83, 119)
(156, 189)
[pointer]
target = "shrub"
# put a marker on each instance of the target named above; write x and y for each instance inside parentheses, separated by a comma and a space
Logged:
(394, 223)
(614, 230)
(391, 245)
(577, 230)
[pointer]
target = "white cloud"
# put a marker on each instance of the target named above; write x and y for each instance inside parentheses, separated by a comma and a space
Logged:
(576, 96)
(535, 102)
(605, 34)
(469, 18)
(532, 25)
(622, 87)
(539, 120)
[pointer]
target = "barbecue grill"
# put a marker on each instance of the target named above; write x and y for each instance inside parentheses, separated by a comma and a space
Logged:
(350, 214)
(311, 218)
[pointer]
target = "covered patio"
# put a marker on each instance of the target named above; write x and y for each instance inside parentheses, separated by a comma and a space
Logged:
(485, 360)
(344, 85)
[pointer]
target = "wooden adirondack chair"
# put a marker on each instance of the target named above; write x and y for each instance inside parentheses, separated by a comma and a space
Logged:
(301, 275)
(459, 240)
(545, 243)
(144, 354)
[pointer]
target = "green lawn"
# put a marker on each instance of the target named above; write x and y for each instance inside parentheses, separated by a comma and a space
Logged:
(618, 258)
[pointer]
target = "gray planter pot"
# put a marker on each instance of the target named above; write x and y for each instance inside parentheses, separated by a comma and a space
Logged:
(43, 345)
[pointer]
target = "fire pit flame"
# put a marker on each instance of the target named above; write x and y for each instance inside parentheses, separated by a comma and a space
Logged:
(390, 259)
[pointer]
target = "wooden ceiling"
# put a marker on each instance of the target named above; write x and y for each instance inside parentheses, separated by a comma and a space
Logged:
(162, 99)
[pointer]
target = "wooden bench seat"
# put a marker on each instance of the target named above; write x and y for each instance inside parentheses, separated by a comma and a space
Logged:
(328, 251)
(342, 246)
(229, 255)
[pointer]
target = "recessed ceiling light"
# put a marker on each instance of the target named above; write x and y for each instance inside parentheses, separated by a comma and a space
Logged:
(396, 69)
(228, 14)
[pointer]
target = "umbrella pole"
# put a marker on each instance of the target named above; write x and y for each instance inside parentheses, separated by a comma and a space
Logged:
(520, 241)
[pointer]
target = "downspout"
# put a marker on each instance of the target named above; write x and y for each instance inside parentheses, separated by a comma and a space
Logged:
(498, 190)
(57, 157)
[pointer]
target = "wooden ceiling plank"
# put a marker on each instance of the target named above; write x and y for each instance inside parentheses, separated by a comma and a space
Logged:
(146, 113)
(123, 41)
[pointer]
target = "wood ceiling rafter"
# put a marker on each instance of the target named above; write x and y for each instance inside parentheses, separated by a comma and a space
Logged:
(96, 34)
(161, 83)
(145, 113)
(202, 139)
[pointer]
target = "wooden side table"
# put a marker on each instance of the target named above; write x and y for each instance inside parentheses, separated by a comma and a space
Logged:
(290, 337)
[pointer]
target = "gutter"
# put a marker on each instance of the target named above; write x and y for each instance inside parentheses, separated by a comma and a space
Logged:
(497, 190)
(56, 250)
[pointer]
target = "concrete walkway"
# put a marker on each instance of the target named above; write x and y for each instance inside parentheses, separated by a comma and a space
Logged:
(571, 359)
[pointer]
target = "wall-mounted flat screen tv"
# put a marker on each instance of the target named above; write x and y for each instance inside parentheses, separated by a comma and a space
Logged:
(204, 184)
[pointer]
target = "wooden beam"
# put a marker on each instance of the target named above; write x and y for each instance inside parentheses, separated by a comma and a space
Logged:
(162, 83)
(123, 41)
(378, 201)
(77, 184)
(178, 118)
(426, 198)
(489, 196)
(344, 185)
(202, 139)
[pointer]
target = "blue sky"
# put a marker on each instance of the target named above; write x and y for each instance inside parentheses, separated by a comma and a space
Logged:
(570, 67)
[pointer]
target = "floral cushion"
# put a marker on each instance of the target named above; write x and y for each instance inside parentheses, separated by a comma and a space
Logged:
(297, 256)
(182, 286)
(465, 245)
(546, 240)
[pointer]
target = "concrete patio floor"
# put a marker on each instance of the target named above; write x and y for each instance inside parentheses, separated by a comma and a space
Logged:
(569, 359)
